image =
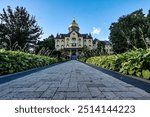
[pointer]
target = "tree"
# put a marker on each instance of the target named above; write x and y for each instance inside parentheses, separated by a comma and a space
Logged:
(147, 28)
(18, 29)
(101, 47)
(129, 32)
(47, 45)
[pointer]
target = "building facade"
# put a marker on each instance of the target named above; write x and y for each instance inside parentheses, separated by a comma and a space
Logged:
(107, 45)
(74, 42)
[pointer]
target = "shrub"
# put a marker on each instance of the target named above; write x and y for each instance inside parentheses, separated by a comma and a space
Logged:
(135, 63)
(15, 61)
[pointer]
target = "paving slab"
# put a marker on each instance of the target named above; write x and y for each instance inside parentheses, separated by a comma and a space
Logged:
(72, 80)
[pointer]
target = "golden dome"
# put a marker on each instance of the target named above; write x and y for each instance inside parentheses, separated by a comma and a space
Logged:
(73, 24)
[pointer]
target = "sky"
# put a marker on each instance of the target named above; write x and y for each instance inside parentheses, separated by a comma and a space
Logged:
(92, 16)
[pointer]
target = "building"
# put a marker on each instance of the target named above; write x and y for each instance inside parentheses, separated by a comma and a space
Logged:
(74, 42)
(107, 45)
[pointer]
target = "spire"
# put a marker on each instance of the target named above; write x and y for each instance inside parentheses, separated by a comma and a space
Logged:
(73, 18)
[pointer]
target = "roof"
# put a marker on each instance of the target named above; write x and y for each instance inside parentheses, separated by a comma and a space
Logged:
(95, 40)
(105, 42)
(62, 36)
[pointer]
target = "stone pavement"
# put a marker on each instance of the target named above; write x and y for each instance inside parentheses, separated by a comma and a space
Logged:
(71, 80)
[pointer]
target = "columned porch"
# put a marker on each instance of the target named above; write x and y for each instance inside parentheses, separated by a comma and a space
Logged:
(74, 52)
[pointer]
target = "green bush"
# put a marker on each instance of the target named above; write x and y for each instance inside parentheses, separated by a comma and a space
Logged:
(135, 63)
(82, 59)
(15, 61)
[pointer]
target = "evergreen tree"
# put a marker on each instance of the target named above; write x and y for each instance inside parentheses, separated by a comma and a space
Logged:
(18, 28)
(48, 43)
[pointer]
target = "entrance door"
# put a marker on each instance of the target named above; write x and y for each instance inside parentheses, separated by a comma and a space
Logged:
(73, 56)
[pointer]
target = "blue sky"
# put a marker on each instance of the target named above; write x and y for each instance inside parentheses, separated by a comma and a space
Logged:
(92, 16)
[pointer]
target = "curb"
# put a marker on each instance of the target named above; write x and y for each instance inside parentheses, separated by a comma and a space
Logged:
(10, 77)
(135, 81)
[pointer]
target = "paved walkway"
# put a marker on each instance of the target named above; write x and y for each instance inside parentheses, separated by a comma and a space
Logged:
(70, 80)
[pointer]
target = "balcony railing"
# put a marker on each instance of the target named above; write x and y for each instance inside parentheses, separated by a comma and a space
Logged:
(73, 44)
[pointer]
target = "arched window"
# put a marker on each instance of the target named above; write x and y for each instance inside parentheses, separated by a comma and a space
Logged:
(67, 45)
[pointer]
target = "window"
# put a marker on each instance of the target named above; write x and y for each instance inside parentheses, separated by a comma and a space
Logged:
(73, 44)
(79, 41)
(73, 40)
(84, 42)
(67, 45)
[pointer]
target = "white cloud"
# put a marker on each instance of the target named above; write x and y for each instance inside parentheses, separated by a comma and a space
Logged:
(96, 31)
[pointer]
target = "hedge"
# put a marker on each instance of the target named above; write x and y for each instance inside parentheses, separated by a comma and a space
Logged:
(15, 61)
(136, 63)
